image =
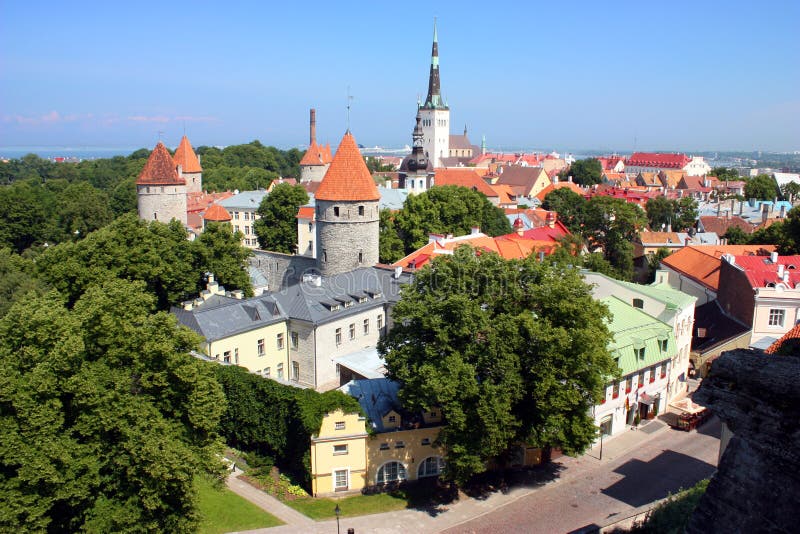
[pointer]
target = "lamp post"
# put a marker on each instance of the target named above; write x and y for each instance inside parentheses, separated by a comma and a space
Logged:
(602, 431)
(338, 512)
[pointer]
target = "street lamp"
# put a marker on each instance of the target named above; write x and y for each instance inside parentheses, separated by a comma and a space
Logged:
(338, 512)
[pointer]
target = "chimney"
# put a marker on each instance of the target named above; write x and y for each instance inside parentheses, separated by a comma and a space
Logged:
(662, 276)
(187, 304)
(719, 208)
(780, 270)
(555, 179)
(764, 213)
(551, 219)
(783, 211)
(741, 207)
(237, 294)
(475, 230)
(686, 241)
(773, 257)
(398, 271)
(569, 179)
(312, 134)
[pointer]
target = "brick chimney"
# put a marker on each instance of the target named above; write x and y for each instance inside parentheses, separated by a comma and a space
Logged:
(312, 135)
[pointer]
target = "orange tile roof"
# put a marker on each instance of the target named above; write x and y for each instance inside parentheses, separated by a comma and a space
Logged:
(160, 169)
(702, 263)
(348, 178)
(465, 178)
(216, 213)
(200, 201)
(306, 212)
(794, 333)
(572, 186)
(186, 158)
(316, 155)
(505, 193)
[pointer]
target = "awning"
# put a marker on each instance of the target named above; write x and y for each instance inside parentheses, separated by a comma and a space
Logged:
(687, 405)
(644, 398)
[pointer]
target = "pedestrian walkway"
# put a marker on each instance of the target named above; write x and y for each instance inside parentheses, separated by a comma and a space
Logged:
(268, 503)
(616, 446)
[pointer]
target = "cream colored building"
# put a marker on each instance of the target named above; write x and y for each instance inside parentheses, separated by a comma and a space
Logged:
(250, 332)
(400, 446)
(243, 209)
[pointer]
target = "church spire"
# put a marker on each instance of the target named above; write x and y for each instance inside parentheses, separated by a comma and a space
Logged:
(434, 100)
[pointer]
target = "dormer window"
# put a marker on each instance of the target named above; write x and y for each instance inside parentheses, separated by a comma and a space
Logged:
(638, 303)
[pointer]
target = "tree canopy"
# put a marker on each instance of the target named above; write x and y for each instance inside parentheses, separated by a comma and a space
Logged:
(512, 351)
(586, 171)
(391, 247)
(612, 225)
(570, 206)
(448, 209)
(761, 187)
(663, 212)
(106, 419)
(277, 227)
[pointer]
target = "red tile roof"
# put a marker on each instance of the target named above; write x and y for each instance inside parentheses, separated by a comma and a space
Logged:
(794, 333)
(201, 201)
(348, 178)
(702, 263)
(465, 178)
(721, 225)
(761, 271)
(317, 155)
(572, 186)
(160, 169)
(186, 158)
(217, 213)
(306, 212)
(662, 161)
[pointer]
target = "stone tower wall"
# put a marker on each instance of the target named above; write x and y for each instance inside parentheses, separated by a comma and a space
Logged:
(161, 202)
(194, 181)
(313, 173)
(340, 238)
(436, 134)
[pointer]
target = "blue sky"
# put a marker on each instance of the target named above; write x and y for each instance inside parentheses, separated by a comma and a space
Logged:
(558, 75)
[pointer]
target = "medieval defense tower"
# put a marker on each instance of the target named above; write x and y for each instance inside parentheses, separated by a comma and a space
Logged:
(188, 166)
(435, 114)
(160, 191)
(347, 213)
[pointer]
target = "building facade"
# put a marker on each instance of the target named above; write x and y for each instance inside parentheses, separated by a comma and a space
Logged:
(434, 113)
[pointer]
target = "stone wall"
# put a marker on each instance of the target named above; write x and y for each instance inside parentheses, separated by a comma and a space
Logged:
(282, 270)
(161, 202)
(347, 240)
(304, 354)
(757, 484)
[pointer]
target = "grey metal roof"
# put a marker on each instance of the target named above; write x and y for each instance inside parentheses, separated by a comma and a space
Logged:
(392, 199)
(220, 317)
(367, 362)
(306, 301)
(377, 396)
(244, 200)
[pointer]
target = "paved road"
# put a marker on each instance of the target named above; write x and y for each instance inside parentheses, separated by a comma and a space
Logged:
(601, 493)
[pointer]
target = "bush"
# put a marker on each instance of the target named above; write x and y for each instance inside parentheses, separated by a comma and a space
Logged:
(672, 515)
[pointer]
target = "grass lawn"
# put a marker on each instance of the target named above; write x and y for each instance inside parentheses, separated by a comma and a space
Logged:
(318, 509)
(221, 510)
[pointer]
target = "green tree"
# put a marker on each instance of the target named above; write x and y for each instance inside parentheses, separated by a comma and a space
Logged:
(654, 263)
(736, 236)
(686, 211)
(586, 171)
(726, 174)
(448, 209)
(220, 251)
(570, 206)
(512, 351)
(790, 191)
(761, 187)
(277, 227)
(390, 245)
(788, 232)
(25, 215)
(772, 235)
(106, 418)
(82, 209)
(18, 280)
(612, 225)
(660, 213)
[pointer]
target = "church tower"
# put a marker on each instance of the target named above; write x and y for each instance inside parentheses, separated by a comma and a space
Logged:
(347, 213)
(416, 170)
(435, 113)
(160, 191)
(188, 166)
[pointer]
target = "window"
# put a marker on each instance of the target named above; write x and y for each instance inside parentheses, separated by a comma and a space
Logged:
(400, 445)
(663, 370)
(324, 255)
(426, 441)
(776, 317)
(260, 347)
(653, 374)
(384, 446)
(295, 371)
(391, 472)
(664, 344)
(638, 303)
(639, 353)
(295, 340)
(380, 321)
(336, 211)
(361, 210)
(366, 326)
(246, 215)
(430, 467)
(628, 384)
(310, 227)
(340, 449)
(641, 378)
(266, 372)
(352, 330)
(392, 419)
(360, 257)
(226, 356)
(338, 336)
(615, 390)
(340, 480)
(279, 341)
(433, 414)
(339, 425)
(236, 355)
(280, 371)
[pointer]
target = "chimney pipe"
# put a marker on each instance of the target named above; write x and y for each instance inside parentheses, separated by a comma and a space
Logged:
(313, 127)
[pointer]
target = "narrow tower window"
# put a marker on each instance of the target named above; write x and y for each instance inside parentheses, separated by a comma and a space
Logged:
(336, 211)
(361, 210)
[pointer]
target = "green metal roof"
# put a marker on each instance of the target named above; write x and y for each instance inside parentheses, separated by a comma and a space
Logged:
(664, 293)
(633, 329)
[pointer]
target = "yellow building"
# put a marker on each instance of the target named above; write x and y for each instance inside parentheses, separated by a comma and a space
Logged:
(250, 332)
(388, 446)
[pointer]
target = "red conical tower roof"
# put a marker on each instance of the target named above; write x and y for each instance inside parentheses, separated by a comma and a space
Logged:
(315, 155)
(348, 178)
(186, 158)
(216, 213)
(160, 169)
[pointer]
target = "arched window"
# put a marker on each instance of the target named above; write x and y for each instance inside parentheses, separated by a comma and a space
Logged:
(431, 467)
(391, 472)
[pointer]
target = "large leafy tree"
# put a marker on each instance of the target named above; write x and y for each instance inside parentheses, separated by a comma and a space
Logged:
(612, 225)
(18, 279)
(586, 171)
(106, 418)
(570, 206)
(725, 174)
(277, 227)
(390, 248)
(448, 209)
(512, 351)
(761, 187)
(677, 214)
(219, 251)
